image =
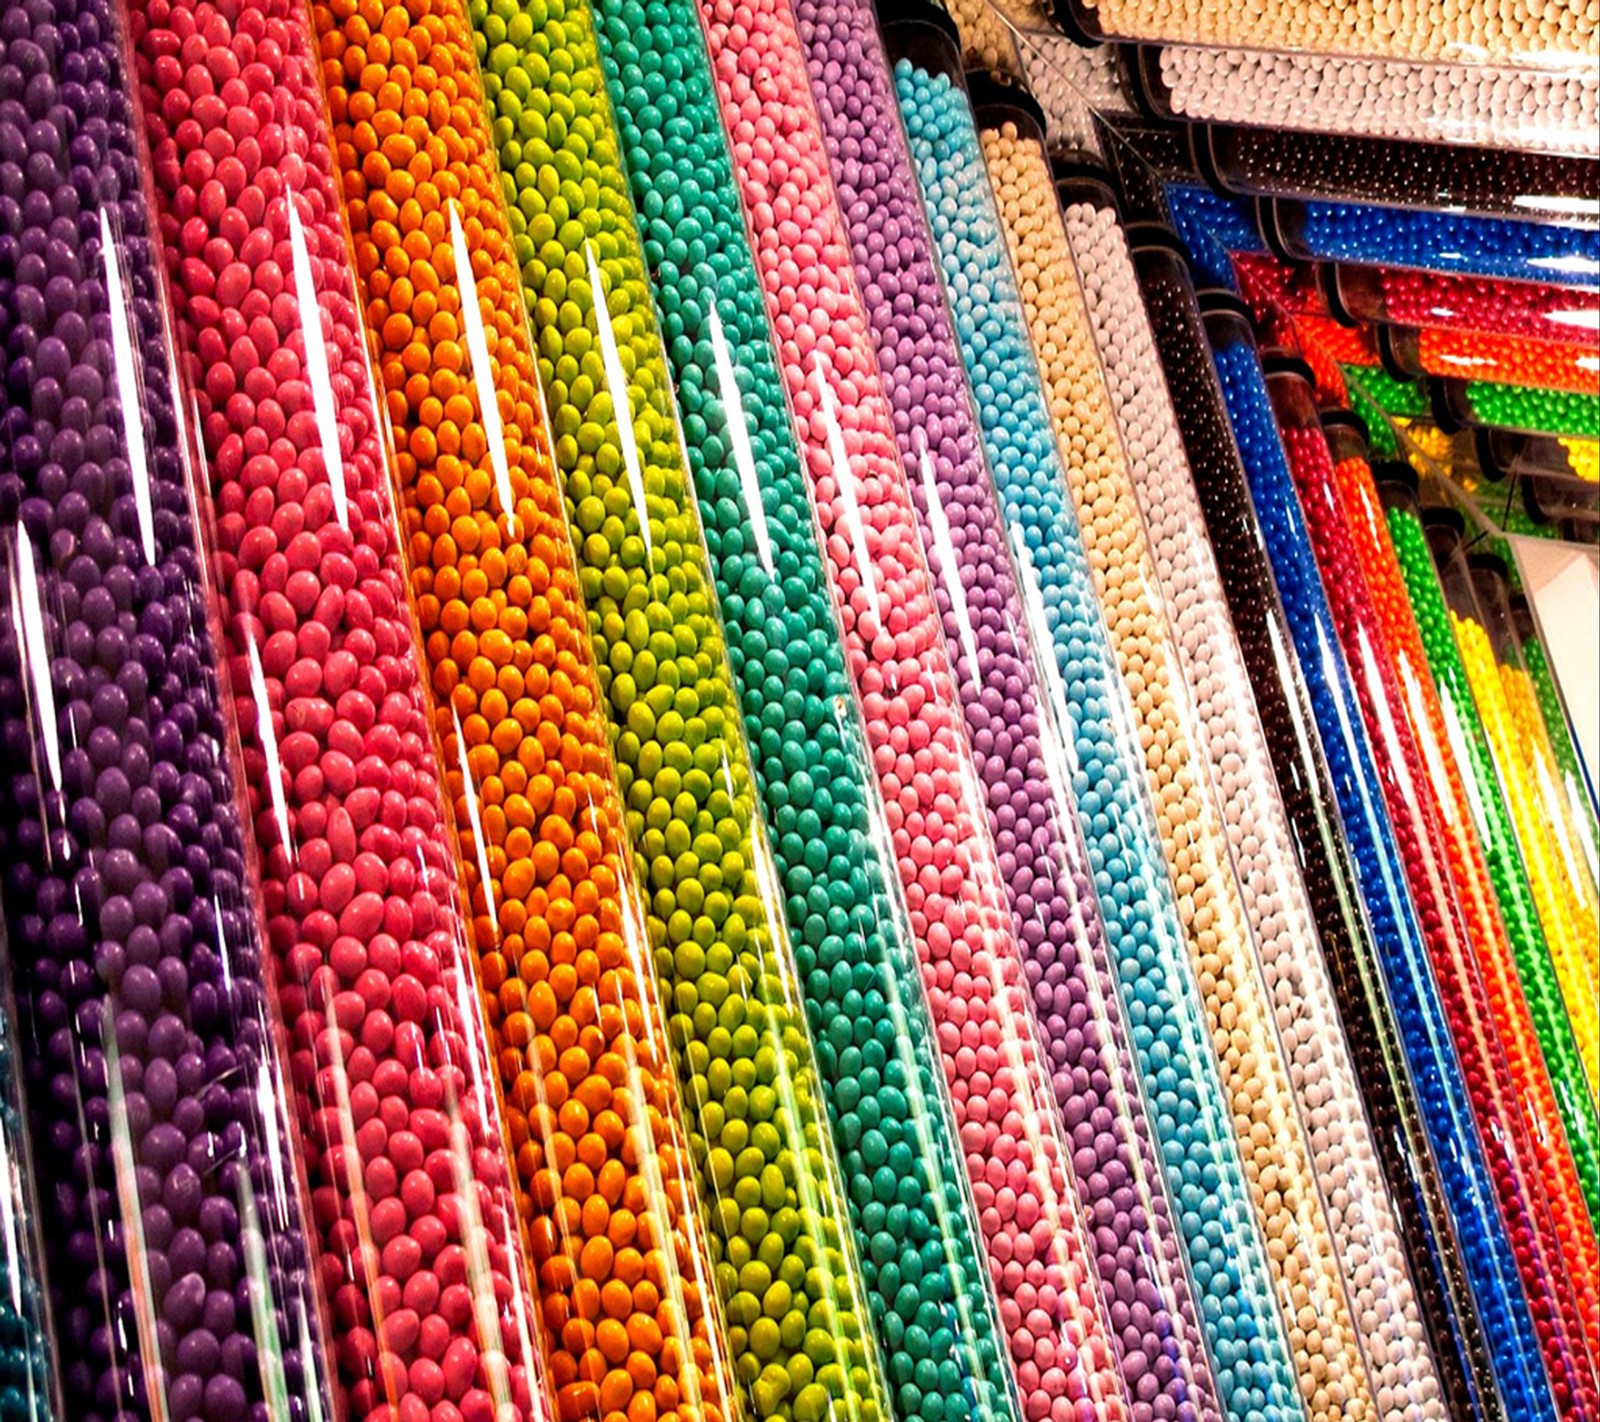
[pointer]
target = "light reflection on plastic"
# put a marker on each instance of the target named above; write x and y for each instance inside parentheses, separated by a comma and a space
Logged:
(621, 404)
(744, 459)
(846, 480)
(128, 387)
(317, 373)
(482, 370)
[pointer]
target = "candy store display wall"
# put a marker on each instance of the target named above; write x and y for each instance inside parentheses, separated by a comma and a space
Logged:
(710, 718)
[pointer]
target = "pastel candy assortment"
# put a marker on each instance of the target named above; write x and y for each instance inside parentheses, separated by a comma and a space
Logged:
(360, 886)
(1537, 110)
(179, 1269)
(1489, 1260)
(1010, 723)
(1501, 806)
(1360, 1214)
(915, 1232)
(1227, 1264)
(1563, 1155)
(1325, 1351)
(1013, 1141)
(1219, 492)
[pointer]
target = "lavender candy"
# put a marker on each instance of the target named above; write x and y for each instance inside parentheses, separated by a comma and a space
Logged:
(176, 1258)
(1009, 720)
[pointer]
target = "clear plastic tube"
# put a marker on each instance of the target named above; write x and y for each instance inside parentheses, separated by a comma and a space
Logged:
(1505, 698)
(1446, 894)
(1540, 310)
(973, 977)
(1519, 361)
(1502, 454)
(1447, 242)
(183, 1285)
(1360, 1213)
(1522, 409)
(418, 1234)
(876, 1055)
(1490, 1255)
(1529, 901)
(1477, 104)
(1332, 864)
(1009, 719)
(1458, 815)
(781, 1262)
(1255, 1077)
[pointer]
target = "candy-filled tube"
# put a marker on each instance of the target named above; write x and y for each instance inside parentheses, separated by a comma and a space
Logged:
(1283, 702)
(1328, 1361)
(1521, 408)
(1450, 935)
(160, 1114)
(1503, 360)
(1006, 707)
(1496, 952)
(1013, 1139)
(1539, 310)
(1528, 896)
(418, 1235)
(1343, 1154)
(879, 1073)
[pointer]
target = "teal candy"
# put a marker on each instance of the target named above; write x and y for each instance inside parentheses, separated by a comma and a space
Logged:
(906, 1182)
(1227, 1261)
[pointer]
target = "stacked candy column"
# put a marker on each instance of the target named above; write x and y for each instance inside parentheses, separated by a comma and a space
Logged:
(1486, 1250)
(1017, 1155)
(1501, 807)
(1444, 876)
(1010, 722)
(160, 1120)
(417, 1231)
(1166, 1021)
(1329, 859)
(1525, 767)
(1327, 1356)
(879, 1067)
(1360, 1211)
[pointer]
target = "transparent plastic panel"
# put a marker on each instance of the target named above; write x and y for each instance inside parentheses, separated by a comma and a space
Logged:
(184, 1286)
(420, 1247)
(1328, 861)
(1477, 104)
(1529, 898)
(1532, 187)
(1229, 735)
(1457, 812)
(1255, 1077)
(768, 1183)
(1553, 713)
(1009, 719)
(1429, 864)
(1446, 242)
(882, 1081)
(1016, 1150)
(1165, 1016)
(1446, 1092)
(1505, 698)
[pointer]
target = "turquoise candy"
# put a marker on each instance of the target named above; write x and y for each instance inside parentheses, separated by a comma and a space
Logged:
(1144, 936)
(884, 1088)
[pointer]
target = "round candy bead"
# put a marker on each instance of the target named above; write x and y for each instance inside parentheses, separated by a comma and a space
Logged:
(1539, 110)
(360, 885)
(1530, 902)
(1458, 811)
(1217, 494)
(1360, 1213)
(972, 973)
(159, 1132)
(1382, 856)
(883, 1078)
(1255, 1079)
(1007, 719)
(1227, 1262)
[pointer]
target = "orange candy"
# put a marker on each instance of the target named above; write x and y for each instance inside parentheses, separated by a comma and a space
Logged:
(575, 1036)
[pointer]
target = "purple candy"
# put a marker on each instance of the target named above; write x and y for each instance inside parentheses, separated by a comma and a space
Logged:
(133, 944)
(1117, 1175)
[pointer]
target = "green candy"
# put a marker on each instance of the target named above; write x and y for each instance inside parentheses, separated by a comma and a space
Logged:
(754, 1118)
(1507, 872)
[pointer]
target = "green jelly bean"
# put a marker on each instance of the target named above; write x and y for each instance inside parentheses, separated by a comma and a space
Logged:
(913, 1227)
(775, 1204)
(1514, 890)
(1538, 411)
